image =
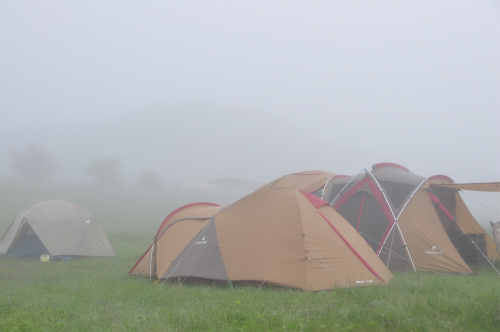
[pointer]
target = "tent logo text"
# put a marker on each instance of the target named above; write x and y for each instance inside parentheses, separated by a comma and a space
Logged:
(203, 241)
(434, 251)
(363, 281)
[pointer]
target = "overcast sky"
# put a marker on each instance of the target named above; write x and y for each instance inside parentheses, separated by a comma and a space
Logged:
(200, 90)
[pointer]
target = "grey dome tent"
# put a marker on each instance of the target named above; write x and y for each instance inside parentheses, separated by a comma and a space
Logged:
(56, 228)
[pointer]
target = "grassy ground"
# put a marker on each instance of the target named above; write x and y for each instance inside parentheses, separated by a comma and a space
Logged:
(96, 294)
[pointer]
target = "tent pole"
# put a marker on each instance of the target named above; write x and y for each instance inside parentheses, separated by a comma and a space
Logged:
(385, 240)
(151, 260)
(406, 247)
(347, 184)
(383, 193)
(411, 196)
(192, 245)
(482, 253)
(404, 244)
(400, 212)
(382, 247)
(324, 187)
(394, 216)
(390, 248)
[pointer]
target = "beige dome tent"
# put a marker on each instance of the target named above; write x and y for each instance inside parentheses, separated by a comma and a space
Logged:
(412, 222)
(182, 225)
(56, 228)
(279, 236)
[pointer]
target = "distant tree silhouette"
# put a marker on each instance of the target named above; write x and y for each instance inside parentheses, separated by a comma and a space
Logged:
(34, 163)
(149, 181)
(106, 171)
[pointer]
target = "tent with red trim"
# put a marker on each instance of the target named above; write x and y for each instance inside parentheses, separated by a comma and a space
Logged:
(182, 226)
(410, 221)
(280, 236)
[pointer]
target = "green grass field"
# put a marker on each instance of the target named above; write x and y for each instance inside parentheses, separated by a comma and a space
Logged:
(96, 294)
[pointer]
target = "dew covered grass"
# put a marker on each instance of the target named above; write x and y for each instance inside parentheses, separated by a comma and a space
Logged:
(96, 294)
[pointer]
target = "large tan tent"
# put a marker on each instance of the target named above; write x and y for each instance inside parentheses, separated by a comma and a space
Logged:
(279, 236)
(56, 228)
(410, 222)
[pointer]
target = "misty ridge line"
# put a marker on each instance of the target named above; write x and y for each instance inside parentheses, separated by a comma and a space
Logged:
(38, 167)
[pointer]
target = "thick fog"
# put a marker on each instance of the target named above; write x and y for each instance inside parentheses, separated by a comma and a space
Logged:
(252, 90)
